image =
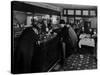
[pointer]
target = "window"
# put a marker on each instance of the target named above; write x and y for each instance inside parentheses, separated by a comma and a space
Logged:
(70, 12)
(64, 12)
(92, 13)
(85, 12)
(78, 12)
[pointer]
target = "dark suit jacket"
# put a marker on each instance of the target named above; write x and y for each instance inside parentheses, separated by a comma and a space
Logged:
(25, 49)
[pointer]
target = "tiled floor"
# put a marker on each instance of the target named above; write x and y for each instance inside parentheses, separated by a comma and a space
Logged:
(77, 62)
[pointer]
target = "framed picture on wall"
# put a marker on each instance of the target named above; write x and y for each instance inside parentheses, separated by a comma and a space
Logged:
(38, 47)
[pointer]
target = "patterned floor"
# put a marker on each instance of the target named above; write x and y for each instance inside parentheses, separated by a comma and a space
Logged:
(77, 62)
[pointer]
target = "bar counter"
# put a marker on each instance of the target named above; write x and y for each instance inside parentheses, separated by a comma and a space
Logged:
(47, 54)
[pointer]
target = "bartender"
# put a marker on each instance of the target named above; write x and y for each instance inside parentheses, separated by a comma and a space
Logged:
(63, 34)
(69, 40)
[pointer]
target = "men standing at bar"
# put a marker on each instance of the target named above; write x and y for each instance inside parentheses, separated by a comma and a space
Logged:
(27, 44)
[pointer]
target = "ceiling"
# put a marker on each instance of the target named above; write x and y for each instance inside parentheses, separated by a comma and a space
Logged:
(71, 6)
(44, 5)
(59, 7)
(34, 7)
